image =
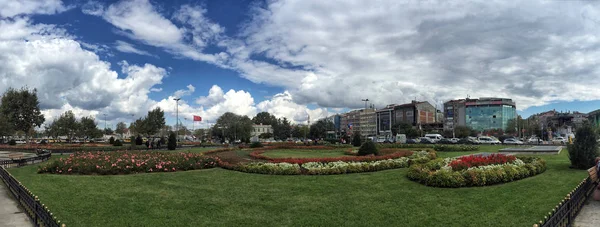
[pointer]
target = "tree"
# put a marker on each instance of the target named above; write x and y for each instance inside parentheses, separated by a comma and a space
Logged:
(107, 131)
(154, 121)
(319, 129)
(462, 131)
(356, 140)
(233, 126)
(585, 148)
(121, 126)
(5, 127)
(282, 130)
(88, 128)
(111, 140)
(264, 118)
(67, 124)
(21, 109)
(172, 143)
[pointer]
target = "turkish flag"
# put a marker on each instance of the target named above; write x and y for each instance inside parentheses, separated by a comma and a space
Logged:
(197, 118)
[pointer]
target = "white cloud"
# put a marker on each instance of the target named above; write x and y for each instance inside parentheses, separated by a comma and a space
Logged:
(181, 93)
(11, 8)
(283, 105)
(67, 76)
(215, 95)
(156, 89)
(93, 8)
(129, 48)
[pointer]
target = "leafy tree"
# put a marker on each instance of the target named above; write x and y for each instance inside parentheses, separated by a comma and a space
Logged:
(233, 126)
(172, 143)
(462, 131)
(111, 140)
(356, 140)
(88, 128)
(66, 124)
(585, 148)
(121, 126)
(154, 121)
(265, 135)
(6, 128)
(21, 109)
(264, 118)
(139, 140)
(319, 129)
(117, 143)
(282, 130)
(108, 131)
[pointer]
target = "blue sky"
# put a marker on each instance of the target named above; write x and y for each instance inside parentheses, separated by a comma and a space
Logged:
(296, 59)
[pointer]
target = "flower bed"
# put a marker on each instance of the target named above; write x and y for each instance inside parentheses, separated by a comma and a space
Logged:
(436, 147)
(397, 154)
(127, 162)
(466, 162)
(440, 173)
(334, 167)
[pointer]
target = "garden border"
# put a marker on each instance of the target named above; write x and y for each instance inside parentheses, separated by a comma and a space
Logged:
(24, 161)
(568, 208)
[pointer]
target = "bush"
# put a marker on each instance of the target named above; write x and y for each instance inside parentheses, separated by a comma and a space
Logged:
(117, 143)
(356, 140)
(435, 173)
(12, 142)
(111, 140)
(43, 142)
(139, 140)
(368, 148)
(172, 143)
(585, 148)
(132, 142)
(123, 162)
(256, 145)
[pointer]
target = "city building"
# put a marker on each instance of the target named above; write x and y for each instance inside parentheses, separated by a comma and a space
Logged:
(336, 131)
(257, 130)
(481, 114)
(414, 113)
(361, 121)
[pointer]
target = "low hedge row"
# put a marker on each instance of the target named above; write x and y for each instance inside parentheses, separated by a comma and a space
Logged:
(437, 173)
(401, 153)
(327, 168)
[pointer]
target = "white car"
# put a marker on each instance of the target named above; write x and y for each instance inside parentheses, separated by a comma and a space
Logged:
(533, 140)
(512, 141)
(559, 140)
(488, 140)
(20, 142)
(454, 140)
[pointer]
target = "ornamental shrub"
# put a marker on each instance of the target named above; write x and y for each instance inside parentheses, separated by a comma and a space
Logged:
(368, 148)
(117, 143)
(585, 148)
(111, 140)
(132, 142)
(356, 140)
(12, 142)
(43, 142)
(172, 144)
(256, 145)
(139, 140)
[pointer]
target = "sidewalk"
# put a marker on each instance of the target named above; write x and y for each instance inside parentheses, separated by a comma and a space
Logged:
(589, 215)
(11, 215)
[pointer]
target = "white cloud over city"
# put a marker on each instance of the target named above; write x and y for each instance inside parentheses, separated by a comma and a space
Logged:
(330, 54)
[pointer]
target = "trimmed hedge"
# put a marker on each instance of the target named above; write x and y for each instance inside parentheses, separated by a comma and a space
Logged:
(436, 173)
(328, 168)
(368, 148)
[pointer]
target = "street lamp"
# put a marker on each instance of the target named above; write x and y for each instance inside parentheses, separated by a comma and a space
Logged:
(177, 116)
(366, 101)
(104, 121)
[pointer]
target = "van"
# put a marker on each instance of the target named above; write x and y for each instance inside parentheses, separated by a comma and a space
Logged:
(400, 138)
(434, 137)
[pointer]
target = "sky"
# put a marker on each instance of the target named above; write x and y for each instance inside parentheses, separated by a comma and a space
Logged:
(116, 60)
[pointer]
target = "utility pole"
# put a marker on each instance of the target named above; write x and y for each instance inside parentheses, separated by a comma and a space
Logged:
(104, 121)
(177, 116)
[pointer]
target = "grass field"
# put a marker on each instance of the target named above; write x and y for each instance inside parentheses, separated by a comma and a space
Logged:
(228, 198)
(304, 153)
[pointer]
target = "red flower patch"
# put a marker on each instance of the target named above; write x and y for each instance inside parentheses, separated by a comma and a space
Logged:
(466, 162)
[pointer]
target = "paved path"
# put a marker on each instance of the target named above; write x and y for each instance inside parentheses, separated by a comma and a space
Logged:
(11, 215)
(589, 215)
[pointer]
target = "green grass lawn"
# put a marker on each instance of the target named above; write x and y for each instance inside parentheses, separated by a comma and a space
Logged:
(228, 198)
(304, 153)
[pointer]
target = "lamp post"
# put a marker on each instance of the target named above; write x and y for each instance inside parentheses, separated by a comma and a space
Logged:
(104, 121)
(366, 101)
(177, 116)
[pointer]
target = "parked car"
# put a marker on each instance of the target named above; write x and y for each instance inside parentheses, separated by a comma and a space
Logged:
(488, 140)
(512, 141)
(468, 140)
(412, 141)
(445, 141)
(454, 140)
(559, 140)
(533, 140)
(426, 140)
(434, 137)
(20, 142)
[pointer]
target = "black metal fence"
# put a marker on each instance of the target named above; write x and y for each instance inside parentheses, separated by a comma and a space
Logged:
(565, 212)
(24, 161)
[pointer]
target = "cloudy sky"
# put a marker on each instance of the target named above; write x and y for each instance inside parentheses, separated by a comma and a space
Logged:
(297, 58)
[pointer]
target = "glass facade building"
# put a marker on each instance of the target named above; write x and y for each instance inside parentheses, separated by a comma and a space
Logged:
(488, 116)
